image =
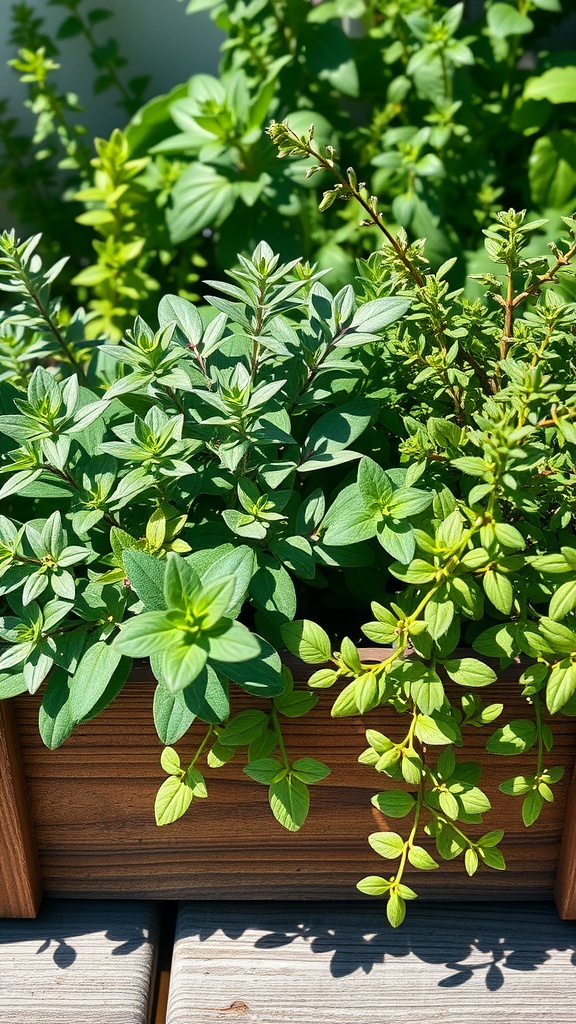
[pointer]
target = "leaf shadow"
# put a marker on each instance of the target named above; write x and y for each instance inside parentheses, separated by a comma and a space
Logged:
(486, 942)
(60, 922)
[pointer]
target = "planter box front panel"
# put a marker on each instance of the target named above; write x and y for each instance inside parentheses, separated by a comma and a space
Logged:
(92, 808)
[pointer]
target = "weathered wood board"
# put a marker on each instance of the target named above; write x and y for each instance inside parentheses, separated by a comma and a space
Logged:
(301, 963)
(92, 809)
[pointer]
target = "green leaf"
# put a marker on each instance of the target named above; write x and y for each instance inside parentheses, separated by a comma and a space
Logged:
(182, 663)
(172, 800)
(471, 861)
(374, 484)
(11, 685)
(196, 781)
(514, 738)
(420, 858)
(397, 539)
(517, 786)
(387, 844)
(170, 761)
(146, 574)
(231, 642)
(94, 672)
(395, 803)
(531, 807)
(55, 720)
(395, 910)
(172, 716)
(307, 641)
(436, 731)
(408, 501)
(289, 802)
(261, 676)
(449, 804)
(372, 317)
(264, 770)
(309, 770)
(561, 639)
(243, 728)
(552, 170)
(373, 885)
(498, 590)
(240, 564)
(336, 430)
(202, 197)
(470, 672)
(438, 616)
(505, 20)
(348, 520)
(174, 309)
(556, 85)
(492, 857)
(561, 685)
(563, 601)
(207, 697)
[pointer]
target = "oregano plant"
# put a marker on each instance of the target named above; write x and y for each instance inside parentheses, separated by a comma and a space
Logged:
(247, 475)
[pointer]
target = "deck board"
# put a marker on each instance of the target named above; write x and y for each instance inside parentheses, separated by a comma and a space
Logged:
(310, 963)
(79, 963)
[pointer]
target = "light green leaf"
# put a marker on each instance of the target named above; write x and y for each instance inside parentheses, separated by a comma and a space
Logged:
(395, 803)
(387, 844)
(395, 910)
(556, 85)
(561, 685)
(505, 20)
(172, 800)
(498, 590)
(170, 761)
(307, 641)
(202, 197)
(397, 539)
(373, 885)
(55, 720)
(563, 601)
(513, 738)
(420, 858)
(470, 672)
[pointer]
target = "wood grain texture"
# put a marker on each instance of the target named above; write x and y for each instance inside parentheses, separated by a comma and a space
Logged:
(20, 883)
(79, 963)
(565, 889)
(258, 963)
(92, 805)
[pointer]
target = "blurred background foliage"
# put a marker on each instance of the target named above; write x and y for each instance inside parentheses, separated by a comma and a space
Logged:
(449, 112)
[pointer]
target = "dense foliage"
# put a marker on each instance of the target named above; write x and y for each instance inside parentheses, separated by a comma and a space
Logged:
(186, 494)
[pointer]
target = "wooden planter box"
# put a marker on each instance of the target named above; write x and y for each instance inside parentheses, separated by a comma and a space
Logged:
(78, 821)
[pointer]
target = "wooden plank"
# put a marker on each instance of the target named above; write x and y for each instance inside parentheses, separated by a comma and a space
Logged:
(297, 963)
(78, 963)
(565, 890)
(20, 881)
(93, 812)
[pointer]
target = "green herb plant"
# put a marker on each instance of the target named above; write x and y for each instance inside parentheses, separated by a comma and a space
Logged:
(237, 477)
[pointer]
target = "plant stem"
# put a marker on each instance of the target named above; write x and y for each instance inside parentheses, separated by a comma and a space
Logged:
(202, 745)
